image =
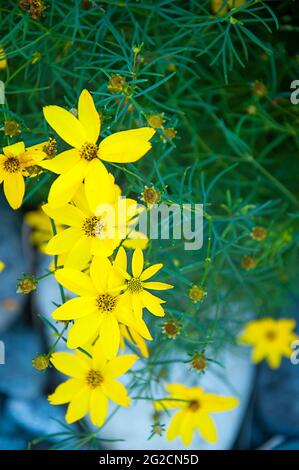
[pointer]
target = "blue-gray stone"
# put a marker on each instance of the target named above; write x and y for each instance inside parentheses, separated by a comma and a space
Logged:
(37, 417)
(18, 378)
(12, 442)
(16, 263)
(277, 399)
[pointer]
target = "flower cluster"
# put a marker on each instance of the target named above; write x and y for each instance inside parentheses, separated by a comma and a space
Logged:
(88, 227)
(94, 227)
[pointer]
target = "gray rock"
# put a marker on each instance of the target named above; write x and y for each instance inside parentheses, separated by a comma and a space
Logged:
(277, 402)
(16, 263)
(36, 417)
(12, 442)
(18, 379)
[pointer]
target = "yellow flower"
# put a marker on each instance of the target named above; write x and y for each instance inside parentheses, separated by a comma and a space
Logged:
(271, 339)
(99, 309)
(84, 160)
(2, 266)
(136, 294)
(92, 383)
(97, 221)
(3, 61)
(13, 165)
(195, 406)
(131, 335)
(41, 228)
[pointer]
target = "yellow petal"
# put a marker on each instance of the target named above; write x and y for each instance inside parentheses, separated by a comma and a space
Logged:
(126, 146)
(80, 254)
(151, 303)
(63, 241)
(137, 262)
(216, 403)
(65, 215)
(187, 428)
(65, 392)
(100, 270)
(110, 336)
(14, 149)
(103, 248)
(116, 392)
(98, 407)
(69, 364)
(139, 341)
(65, 186)
(14, 189)
(258, 354)
(151, 271)
(76, 282)
(116, 277)
(157, 285)
(79, 406)
(83, 330)
(178, 391)
(99, 359)
(62, 162)
(75, 308)
(274, 359)
(136, 240)
(174, 427)
(120, 365)
(207, 428)
(89, 117)
(98, 186)
(66, 125)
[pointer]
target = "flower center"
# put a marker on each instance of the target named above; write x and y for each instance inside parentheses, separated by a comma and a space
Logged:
(88, 151)
(94, 378)
(271, 335)
(135, 285)
(194, 405)
(92, 226)
(12, 165)
(106, 303)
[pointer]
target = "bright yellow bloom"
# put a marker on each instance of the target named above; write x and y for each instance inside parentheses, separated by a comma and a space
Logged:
(131, 335)
(100, 308)
(271, 339)
(136, 294)
(41, 227)
(92, 383)
(3, 61)
(2, 266)
(84, 160)
(97, 221)
(13, 167)
(195, 406)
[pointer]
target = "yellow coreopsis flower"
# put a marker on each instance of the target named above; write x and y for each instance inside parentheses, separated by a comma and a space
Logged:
(92, 383)
(97, 221)
(195, 406)
(100, 308)
(84, 159)
(137, 284)
(270, 339)
(13, 167)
